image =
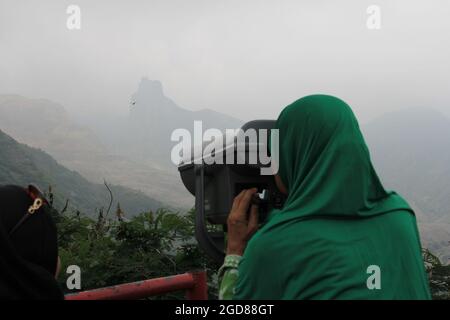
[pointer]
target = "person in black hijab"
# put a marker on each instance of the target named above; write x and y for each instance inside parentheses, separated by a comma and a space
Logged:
(29, 260)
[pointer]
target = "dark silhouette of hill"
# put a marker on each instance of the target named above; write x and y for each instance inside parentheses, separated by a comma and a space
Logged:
(20, 164)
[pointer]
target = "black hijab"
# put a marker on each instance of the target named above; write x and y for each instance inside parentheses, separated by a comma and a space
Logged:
(28, 256)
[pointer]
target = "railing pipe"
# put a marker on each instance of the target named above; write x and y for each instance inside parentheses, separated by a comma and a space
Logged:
(194, 283)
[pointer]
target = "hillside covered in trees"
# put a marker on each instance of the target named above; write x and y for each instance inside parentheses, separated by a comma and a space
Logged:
(20, 164)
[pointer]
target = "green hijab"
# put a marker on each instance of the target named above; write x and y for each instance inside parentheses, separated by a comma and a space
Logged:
(337, 219)
(325, 163)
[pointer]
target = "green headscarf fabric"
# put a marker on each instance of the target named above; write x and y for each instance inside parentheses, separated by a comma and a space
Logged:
(337, 221)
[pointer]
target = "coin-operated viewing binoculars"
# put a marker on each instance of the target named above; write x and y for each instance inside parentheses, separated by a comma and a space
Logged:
(243, 161)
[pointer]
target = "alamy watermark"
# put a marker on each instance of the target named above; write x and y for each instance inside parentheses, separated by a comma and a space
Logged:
(236, 146)
(73, 21)
(374, 18)
(73, 281)
(374, 280)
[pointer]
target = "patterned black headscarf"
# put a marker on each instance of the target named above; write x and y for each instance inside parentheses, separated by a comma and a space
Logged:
(28, 247)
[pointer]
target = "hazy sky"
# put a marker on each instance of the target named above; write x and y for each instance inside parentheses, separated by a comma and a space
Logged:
(245, 58)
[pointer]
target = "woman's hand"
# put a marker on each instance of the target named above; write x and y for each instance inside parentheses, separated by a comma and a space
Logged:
(241, 228)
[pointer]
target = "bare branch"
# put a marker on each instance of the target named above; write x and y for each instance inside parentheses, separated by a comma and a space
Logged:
(65, 206)
(111, 198)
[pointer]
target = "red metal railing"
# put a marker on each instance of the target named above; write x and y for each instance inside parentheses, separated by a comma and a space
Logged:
(194, 283)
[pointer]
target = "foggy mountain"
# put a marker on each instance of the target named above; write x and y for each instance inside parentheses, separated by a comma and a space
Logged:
(20, 164)
(133, 151)
(145, 134)
(46, 125)
(411, 152)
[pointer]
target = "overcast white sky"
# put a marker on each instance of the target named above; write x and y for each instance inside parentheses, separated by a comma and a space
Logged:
(244, 58)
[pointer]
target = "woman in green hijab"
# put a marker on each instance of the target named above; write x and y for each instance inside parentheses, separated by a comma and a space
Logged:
(339, 235)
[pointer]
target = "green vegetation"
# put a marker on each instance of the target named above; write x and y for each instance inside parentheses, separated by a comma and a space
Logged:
(115, 250)
(439, 276)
